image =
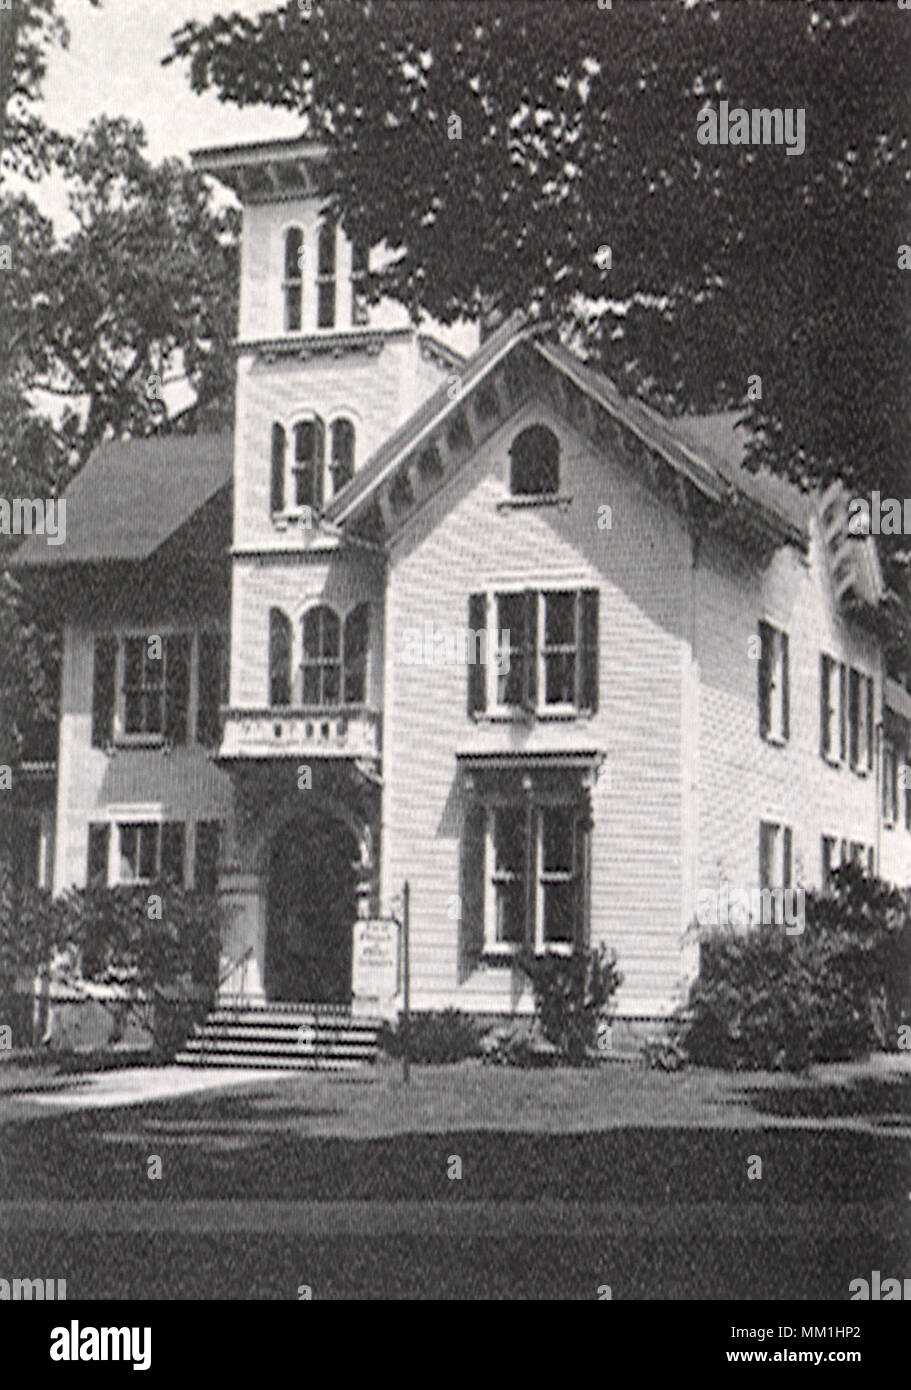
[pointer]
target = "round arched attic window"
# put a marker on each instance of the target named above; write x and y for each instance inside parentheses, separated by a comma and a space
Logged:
(534, 463)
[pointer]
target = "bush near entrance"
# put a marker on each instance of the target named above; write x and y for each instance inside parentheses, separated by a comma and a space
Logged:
(838, 991)
(156, 943)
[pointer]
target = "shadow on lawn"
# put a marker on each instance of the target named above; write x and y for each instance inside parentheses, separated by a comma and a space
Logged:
(884, 1100)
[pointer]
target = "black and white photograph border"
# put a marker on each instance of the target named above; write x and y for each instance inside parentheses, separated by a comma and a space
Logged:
(455, 658)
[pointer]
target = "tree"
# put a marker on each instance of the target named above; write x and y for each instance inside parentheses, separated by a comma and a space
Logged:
(28, 30)
(148, 278)
(500, 147)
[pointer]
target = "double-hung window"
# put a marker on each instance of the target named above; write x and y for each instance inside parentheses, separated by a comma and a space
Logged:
(535, 877)
(149, 849)
(833, 709)
(861, 721)
(540, 648)
(774, 681)
(156, 685)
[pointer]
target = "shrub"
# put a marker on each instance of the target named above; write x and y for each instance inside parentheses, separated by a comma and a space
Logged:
(571, 994)
(448, 1036)
(837, 990)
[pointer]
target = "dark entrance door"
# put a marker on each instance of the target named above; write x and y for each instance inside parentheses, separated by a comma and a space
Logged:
(311, 908)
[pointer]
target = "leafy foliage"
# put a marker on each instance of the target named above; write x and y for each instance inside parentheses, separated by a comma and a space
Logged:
(448, 1036)
(166, 967)
(571, 994)
(839, 989)
(580, 132)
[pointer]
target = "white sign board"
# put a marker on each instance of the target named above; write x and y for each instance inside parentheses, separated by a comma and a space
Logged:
(375, 965)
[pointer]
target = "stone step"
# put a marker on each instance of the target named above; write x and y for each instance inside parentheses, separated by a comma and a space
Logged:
(268, 1035)
(259, 1062)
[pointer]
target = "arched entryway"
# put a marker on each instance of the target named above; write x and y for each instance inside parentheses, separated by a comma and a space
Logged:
(311, 906)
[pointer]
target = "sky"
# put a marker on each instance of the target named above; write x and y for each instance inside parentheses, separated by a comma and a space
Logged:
(113, 67)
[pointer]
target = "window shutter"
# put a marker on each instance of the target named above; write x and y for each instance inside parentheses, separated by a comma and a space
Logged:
(277, 485)
(279, 658)
(208, 841)
(582, 880)
(103, 691)
(588, 653)
(99, 840)
(530, 646)
(177, 686)
(843, 709)
(787, 866)
(319, 459)
(785, 686)
(477, 671)
(766, 652)
(471, 882)
(825, 731)
(209, 684)
(766, 836)
(871, 725)
(172, 850)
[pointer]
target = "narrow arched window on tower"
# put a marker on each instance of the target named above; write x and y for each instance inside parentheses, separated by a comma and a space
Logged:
(342, 453)
(309, 448)
(277, 478)
(294, 279)
(325, 276)
(322, 663)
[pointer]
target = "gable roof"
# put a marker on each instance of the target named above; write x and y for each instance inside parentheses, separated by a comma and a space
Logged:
(428, 415)
(132, 495)
(706, 450)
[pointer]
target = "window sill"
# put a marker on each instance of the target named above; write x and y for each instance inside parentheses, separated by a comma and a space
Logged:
(775, 740)
(830, 761)
(141, 741)
(514, 715)
(544, 499)
(504, 957)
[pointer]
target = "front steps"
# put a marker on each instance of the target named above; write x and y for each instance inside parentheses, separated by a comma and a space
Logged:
(299, 1037)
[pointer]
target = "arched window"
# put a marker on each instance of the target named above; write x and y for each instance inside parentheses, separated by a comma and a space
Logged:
(534, 463)
(322, 664)
(309, 445)
(277, 477)
(294, 279)
(357, 638)
(325, 276)
(279, 658)
(342, 453)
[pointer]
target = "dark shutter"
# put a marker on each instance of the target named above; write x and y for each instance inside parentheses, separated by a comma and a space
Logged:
(588, 650)
(854, 719)
(871, 726)
(471, 889)
(477, 670)
(530, 649)
(582, 880)
(172, 850)
(826, 733)
(843, 709)
(99, 839)
(103, 691)
(277, 486)
(766, 652)
(211, 658)
(787, 866)
(319, 459)
(208, 841)
(785, 686)
(177, 686)
(279, 658)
